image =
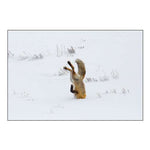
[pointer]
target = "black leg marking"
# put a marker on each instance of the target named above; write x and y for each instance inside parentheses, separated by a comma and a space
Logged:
(73, 91)
(70, 65)
(71, 88)
(67, 68)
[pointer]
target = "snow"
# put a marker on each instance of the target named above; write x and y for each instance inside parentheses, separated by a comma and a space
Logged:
(39, 88)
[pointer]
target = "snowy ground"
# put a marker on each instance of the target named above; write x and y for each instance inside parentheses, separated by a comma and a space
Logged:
(39, 88)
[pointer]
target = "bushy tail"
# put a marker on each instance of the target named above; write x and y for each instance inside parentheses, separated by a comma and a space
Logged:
(81, 68)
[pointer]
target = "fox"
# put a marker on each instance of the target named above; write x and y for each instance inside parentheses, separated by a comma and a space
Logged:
(78, 87)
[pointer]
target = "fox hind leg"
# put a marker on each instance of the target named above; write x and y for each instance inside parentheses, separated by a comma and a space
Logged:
(72, 67)
(67, 69)
(70, 64)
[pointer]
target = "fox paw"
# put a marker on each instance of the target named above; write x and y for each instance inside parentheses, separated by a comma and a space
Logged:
(69, 63)
(65, 68)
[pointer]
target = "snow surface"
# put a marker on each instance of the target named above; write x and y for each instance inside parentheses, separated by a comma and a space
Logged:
(39, 88)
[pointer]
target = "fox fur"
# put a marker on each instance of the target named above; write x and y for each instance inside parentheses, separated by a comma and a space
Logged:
(78, 87)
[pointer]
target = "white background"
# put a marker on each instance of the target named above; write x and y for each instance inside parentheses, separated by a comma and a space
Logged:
(30, 81)
(74, 135)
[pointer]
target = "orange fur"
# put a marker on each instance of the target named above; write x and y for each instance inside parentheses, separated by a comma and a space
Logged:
(77, 79)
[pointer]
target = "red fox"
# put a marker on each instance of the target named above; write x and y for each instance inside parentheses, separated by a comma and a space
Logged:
(78, 87)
